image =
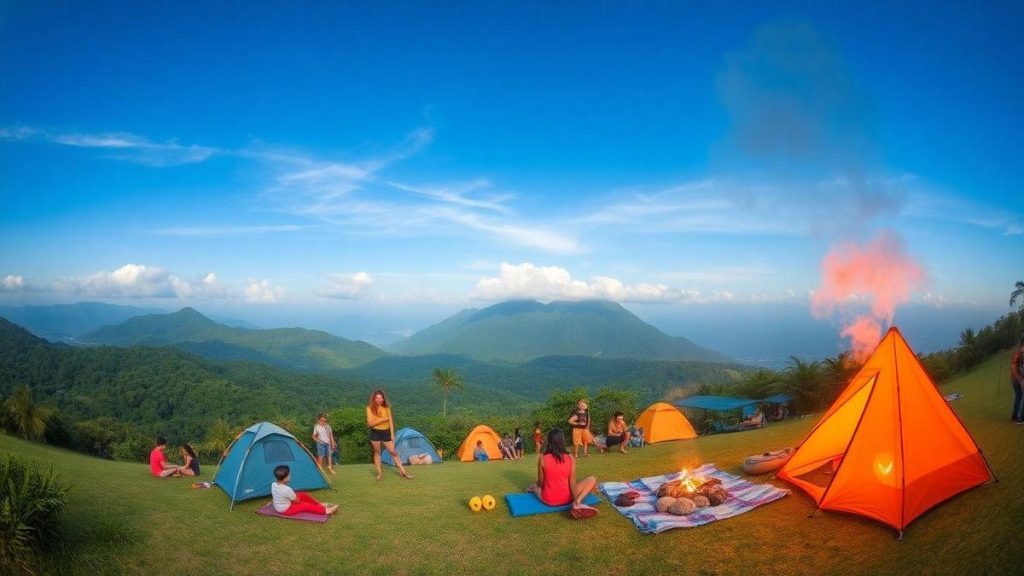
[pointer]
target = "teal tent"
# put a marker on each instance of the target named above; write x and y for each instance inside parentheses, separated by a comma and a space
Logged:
(247, 467)
(409, 442)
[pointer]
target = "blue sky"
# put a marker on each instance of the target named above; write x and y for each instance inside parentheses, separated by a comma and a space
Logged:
(422, 157)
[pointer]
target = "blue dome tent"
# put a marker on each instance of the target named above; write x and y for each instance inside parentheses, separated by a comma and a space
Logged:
(247, 468)
(409, 442)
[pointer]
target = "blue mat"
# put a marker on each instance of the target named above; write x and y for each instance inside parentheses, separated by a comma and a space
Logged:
(528, 504)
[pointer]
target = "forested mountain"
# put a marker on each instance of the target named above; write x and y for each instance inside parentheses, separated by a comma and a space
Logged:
(164, 390)
(64, 322)
(187, 329)
(522, 330)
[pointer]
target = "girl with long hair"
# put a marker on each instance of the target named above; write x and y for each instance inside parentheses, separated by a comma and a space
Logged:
(382, 431)
(188, 455)
(556, 478)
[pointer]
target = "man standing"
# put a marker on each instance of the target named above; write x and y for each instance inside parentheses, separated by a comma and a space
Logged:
(324, 438)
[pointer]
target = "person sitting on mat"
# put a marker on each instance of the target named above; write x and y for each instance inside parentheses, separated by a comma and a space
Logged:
(289, 502)
(556, 478)
(158, 464)
(618, 432)
(188, 456)
(754, 421)
(480, 455)
(507, 447)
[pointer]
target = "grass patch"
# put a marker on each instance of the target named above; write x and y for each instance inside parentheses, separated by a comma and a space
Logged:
(119, 520)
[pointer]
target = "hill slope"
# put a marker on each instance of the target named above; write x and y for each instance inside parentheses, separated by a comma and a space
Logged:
(187, 329)
(159, 527)
(522, 330)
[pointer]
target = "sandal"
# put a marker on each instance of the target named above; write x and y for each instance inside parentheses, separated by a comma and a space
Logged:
(583, 512)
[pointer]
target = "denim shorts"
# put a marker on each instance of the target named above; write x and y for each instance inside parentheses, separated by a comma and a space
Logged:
(323, 450)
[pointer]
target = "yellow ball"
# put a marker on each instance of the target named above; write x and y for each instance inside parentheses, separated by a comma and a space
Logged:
(475, 504)
(488, 502)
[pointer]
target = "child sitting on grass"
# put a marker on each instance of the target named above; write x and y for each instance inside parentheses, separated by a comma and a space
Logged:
(290, 503)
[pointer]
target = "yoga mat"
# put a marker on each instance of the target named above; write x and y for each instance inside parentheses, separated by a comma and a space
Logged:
(528, 504)
(269, 510)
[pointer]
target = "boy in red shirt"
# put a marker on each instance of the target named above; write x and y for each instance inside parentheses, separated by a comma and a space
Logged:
(158, 464)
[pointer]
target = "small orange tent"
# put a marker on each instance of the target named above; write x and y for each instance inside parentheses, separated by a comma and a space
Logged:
(484, 434)
(890, 447)
(663, 422)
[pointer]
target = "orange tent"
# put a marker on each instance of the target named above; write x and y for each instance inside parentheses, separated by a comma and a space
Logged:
(662, 422)
(890, 447)
(484, 434)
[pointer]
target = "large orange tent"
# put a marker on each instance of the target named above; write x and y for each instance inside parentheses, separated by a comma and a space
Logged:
(484, 434)
(663, 422)
(890, 447)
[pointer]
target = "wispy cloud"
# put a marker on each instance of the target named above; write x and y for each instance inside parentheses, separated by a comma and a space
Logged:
(118, 146)
(15, 283)
(208, 231)
(937, 205)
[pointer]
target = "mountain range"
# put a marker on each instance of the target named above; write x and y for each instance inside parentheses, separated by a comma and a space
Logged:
(523, 330)
(187, 329)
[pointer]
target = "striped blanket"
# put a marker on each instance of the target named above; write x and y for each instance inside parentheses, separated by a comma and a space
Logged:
(743, 497)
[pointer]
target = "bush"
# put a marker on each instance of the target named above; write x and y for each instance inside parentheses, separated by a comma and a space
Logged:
(31, 505)
(134, 448)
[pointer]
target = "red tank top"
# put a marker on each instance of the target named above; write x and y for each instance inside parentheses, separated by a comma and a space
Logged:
(555, 491)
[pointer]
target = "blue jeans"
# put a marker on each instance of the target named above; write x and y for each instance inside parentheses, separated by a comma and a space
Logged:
(1018, 399)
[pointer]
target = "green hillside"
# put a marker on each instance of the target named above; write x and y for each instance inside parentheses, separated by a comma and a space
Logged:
(518, 331)
(187, 329)
(121, 521)
(168, 391)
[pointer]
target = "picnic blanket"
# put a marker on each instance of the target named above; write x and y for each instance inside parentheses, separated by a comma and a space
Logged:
(744, 496)
(269, 510)
(527, 504)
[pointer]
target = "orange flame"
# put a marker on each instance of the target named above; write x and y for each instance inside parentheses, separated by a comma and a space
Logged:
(879, 273)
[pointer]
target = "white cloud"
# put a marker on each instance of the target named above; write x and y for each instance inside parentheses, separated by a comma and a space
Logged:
(262, 292)
(344, 287)
(554, 283)
(16, 283)
(142, 281)
(119, 146)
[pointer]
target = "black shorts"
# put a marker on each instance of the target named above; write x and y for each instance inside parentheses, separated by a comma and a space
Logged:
(380, 435)
(613, 441)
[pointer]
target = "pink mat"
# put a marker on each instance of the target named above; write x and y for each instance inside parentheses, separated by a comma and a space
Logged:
(269, 510)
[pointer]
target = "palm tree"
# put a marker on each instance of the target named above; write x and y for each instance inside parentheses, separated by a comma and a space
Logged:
(1018, 292)
(803, 381)
(447, 379)
(29, 418)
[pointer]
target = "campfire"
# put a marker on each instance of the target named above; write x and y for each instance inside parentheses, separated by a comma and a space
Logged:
(689, 492)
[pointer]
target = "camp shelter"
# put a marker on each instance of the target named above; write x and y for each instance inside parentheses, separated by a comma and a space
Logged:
(663, 422)
(890, 447)
(409, 442)
(247, 468)
(484, 434)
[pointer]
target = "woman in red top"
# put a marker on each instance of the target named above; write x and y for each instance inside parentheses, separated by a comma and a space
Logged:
(556, 478)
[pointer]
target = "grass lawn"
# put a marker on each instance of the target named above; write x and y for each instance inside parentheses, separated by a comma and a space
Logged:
(122, 521)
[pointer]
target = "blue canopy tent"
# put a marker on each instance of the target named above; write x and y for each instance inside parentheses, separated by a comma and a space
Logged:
(247, 468)
(409, 442)
(745, 407)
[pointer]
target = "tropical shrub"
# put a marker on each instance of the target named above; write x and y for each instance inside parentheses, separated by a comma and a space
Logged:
(31, 505)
